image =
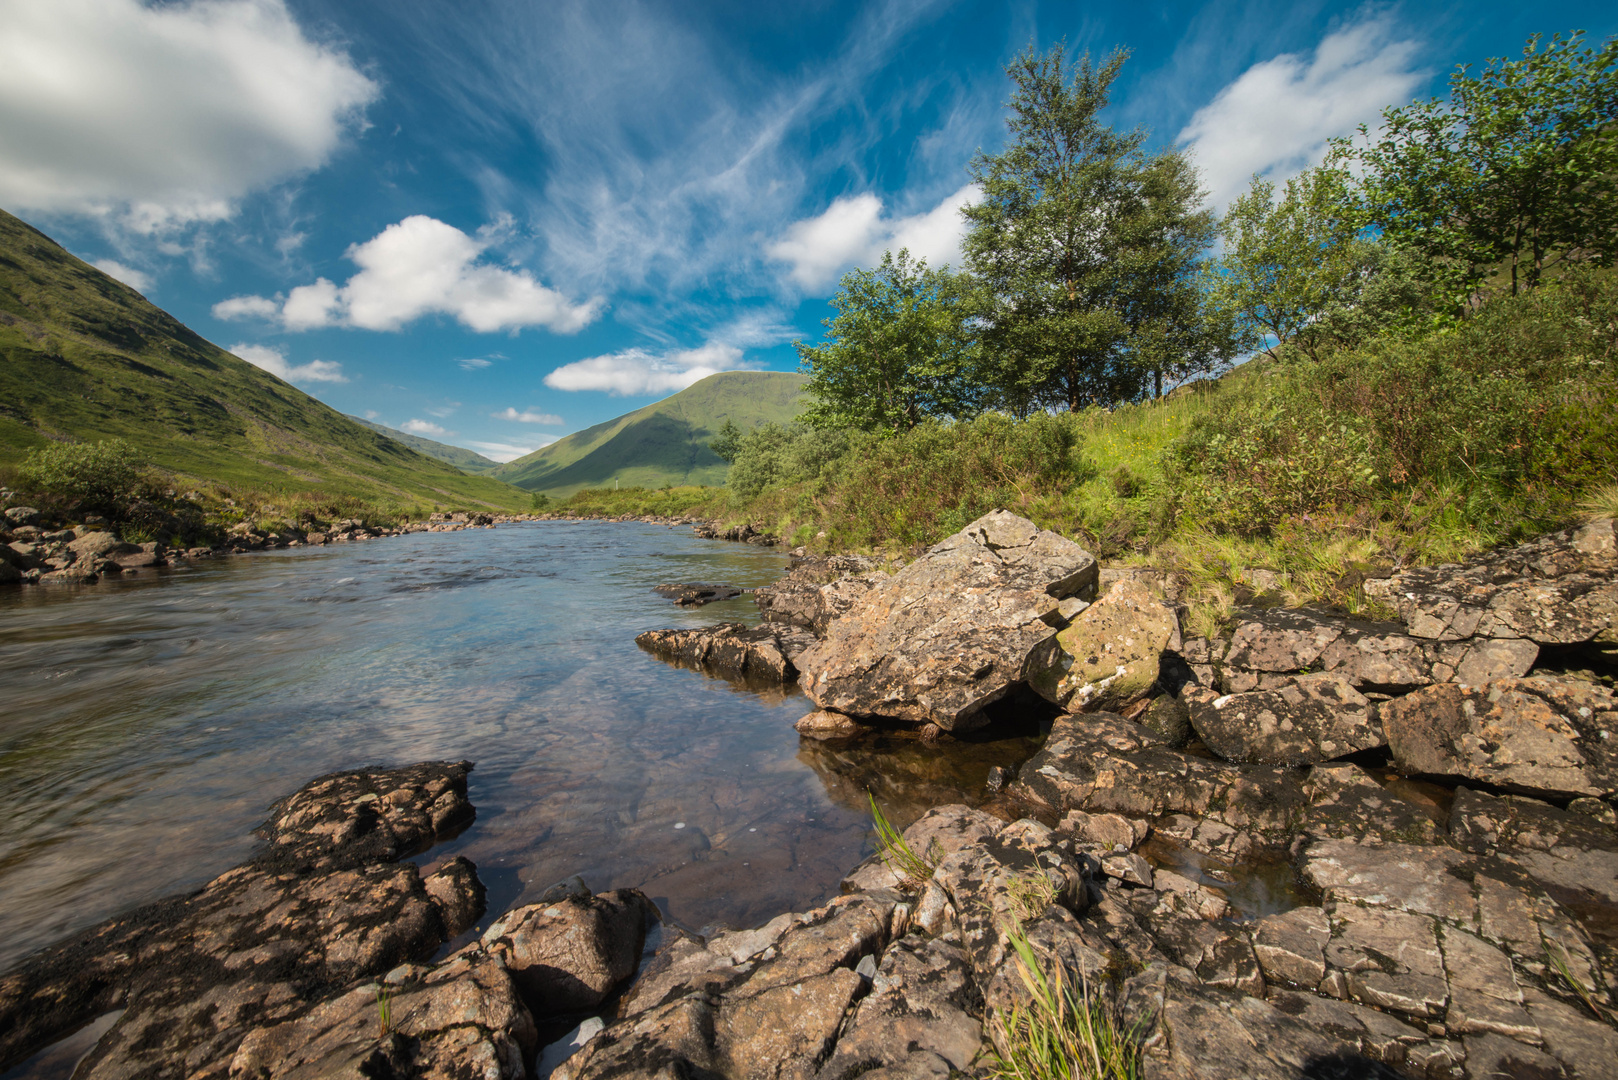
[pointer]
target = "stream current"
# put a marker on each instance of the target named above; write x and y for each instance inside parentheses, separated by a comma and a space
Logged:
(148, 722)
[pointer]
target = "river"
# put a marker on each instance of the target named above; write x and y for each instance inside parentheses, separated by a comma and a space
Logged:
(146, 724)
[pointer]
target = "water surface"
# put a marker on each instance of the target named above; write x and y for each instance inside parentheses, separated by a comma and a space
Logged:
(147, 723)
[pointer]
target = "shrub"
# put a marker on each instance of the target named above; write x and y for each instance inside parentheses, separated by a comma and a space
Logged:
(104, 475)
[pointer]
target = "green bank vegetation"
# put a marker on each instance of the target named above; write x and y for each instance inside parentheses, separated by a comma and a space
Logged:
(1426, 378)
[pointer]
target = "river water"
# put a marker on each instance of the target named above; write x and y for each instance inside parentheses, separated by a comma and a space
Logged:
(146, 724)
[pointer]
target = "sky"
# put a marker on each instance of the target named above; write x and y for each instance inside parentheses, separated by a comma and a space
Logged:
(496, 222)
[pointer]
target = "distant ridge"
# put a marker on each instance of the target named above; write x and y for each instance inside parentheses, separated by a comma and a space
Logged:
(665, 442)
(468, 461)
(85, 357)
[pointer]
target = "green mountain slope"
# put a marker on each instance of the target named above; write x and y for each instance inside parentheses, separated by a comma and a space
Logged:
(85, 357)
(663, 443)
(465, 460)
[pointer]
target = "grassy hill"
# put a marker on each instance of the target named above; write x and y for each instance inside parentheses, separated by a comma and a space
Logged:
(664, 443)
(84, 357)
(465, 460)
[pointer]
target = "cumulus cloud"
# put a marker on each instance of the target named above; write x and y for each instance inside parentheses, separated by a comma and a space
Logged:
(504, 452)
(275, 362)
(853, 231)
(634, 372)
(164, 114)
(135, 279)
(1276, 117)
(423, 427)
(421, 266)
(528, 417)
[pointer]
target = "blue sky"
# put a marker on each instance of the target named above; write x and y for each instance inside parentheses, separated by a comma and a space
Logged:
(496, 222)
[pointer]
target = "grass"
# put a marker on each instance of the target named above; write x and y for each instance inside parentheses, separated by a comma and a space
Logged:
(913, 870)
(1063, 1032)
(1029, 895)
(1558, 958)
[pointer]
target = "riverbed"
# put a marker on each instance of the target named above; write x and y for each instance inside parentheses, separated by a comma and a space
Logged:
(149, 721)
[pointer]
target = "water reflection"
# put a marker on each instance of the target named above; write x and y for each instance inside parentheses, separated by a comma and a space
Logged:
(149, 722)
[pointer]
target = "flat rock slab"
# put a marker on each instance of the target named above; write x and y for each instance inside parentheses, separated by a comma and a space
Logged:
(696, 594)
(1314, 718)
(953, 631)
(1538, 736)
(1558, 589)
(328, 902)
(754, 655)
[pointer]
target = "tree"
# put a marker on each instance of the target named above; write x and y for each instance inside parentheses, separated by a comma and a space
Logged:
(728, 443)
(898, 351)
(1520, 165)
(1288, 261)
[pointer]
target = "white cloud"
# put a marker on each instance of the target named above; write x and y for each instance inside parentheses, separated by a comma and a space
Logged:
(504, 452)
(164, 114)
(135, 279)
(371, 414)
(1277, 116)
(275, 362)
(423, 427)
(423, 266)
(474, 363)
(854, 232)
(246, 307)
(635, 372)
(528, 417)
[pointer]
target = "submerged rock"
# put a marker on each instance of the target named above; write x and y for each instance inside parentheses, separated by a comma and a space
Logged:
(696, 594)
(953, 631)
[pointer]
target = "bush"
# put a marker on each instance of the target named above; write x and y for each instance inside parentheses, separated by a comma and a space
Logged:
(103, 475)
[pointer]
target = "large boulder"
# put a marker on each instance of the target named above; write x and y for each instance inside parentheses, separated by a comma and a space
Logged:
(955, 630)
(1111, 653)
(1538, 736)
(100, 545)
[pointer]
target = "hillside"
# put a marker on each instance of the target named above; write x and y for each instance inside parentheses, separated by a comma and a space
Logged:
(665, 442)
(466, 460)
(85, 357)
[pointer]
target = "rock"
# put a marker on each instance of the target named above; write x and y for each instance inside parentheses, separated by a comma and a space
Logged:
(9, 574)
(1128, 867)
(468, 1025)
(1111, 831)
(1557, 589)
(1291, 947)
(816, 591)
(101, 545)
(567, 956)
(1314, 718)
(1345, 803)
(1111, 653)
(1391, 960)
(1541, 735)
(939, 832)
(822, 724)
(730, 650)
(22, 515)
(1101, 763)
(953, 631)
(1169, 717)
(460, 896)
(326, 903)
(1571, 851)
(696, 594)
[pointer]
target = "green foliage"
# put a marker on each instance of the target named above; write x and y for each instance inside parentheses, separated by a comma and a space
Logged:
(1519, 165)
(776, 456)
(1085, 247)
(105, 474)
(540, 501)
(1061, 1032)
(897, 854)
(729, 442)
(899, 350)
(638, 502)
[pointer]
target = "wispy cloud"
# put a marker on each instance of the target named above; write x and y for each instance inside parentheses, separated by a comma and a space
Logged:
(424, 427)
(421, 266)
(504, 452)
(1277, 116)
(275, 362)
(476, 363)
(135, 279)
(161, 115)
(528, 417)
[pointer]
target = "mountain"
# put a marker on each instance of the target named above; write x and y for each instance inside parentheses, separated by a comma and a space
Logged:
(665, 442)
(85, 357)
(465, 460)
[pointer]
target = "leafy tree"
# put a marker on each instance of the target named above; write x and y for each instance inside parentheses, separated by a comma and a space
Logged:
(729, 441)
(899, 350)
(1520, 164)
(1085, 246)
(1288, 261)
(106, 475)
